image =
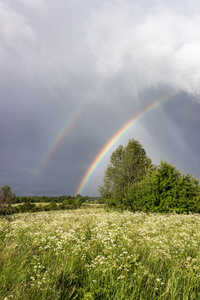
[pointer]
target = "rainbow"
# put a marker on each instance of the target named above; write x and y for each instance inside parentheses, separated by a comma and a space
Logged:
(57, 140)
(63, 131)
(115, 138)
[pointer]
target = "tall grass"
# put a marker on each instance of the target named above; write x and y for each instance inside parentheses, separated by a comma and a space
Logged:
(99, 255)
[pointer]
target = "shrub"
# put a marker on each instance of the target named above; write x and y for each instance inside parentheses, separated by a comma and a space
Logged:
(165, 190)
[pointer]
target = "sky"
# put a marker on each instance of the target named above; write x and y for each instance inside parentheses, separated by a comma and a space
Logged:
(73, 73)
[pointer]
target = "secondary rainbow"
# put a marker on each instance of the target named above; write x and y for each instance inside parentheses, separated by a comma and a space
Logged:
(115, 138)
(61, 134)
(57, 140)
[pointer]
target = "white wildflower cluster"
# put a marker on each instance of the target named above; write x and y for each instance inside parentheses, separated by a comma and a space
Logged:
(123, 245)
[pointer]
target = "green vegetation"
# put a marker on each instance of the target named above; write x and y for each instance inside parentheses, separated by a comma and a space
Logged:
(94, 254)
(128, 165)
(6, 196)
(127, 253)
(165, 190)
(23, 204)
(132, 182)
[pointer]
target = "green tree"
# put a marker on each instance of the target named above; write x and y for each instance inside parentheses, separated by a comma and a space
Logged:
(79, 200)
(27, 207)
(6, 197)
(165, 190)
(128, 165)
(52, 205)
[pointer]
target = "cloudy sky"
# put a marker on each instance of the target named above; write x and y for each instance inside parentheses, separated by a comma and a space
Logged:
(73, 73)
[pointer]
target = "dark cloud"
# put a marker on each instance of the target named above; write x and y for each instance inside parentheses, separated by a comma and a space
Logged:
(97, 65)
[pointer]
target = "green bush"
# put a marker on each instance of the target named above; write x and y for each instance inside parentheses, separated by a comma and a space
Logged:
(27, 207)
(165, 190)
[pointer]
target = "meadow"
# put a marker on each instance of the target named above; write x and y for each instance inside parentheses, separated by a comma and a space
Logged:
(97, 254)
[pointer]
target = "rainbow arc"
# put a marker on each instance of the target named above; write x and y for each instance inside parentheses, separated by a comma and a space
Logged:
(116, 137)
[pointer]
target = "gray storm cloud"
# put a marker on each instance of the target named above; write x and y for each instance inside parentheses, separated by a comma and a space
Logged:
(109, 57)
(150, 44)
(157, 45)
(14, 26)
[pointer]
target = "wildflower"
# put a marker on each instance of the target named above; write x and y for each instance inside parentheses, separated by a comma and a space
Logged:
(121, 277)
(32, 278)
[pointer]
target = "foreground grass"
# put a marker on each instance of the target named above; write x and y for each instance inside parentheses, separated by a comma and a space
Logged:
(99, 255)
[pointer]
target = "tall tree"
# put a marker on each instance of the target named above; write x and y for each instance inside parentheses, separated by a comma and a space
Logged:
(6, 196)
(128, 164)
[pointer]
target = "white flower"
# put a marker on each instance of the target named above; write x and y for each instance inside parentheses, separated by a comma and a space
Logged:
(121, 277)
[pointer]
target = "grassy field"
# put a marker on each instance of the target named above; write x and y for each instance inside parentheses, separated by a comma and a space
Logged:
(36, 203)
(94, 254)
(47, 203)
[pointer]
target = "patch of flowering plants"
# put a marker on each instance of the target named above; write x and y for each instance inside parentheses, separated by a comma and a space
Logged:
(94, 254)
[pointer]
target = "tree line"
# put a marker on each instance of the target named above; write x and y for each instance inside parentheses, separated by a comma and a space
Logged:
(132, 182)
(45, 199)
(9, 203)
